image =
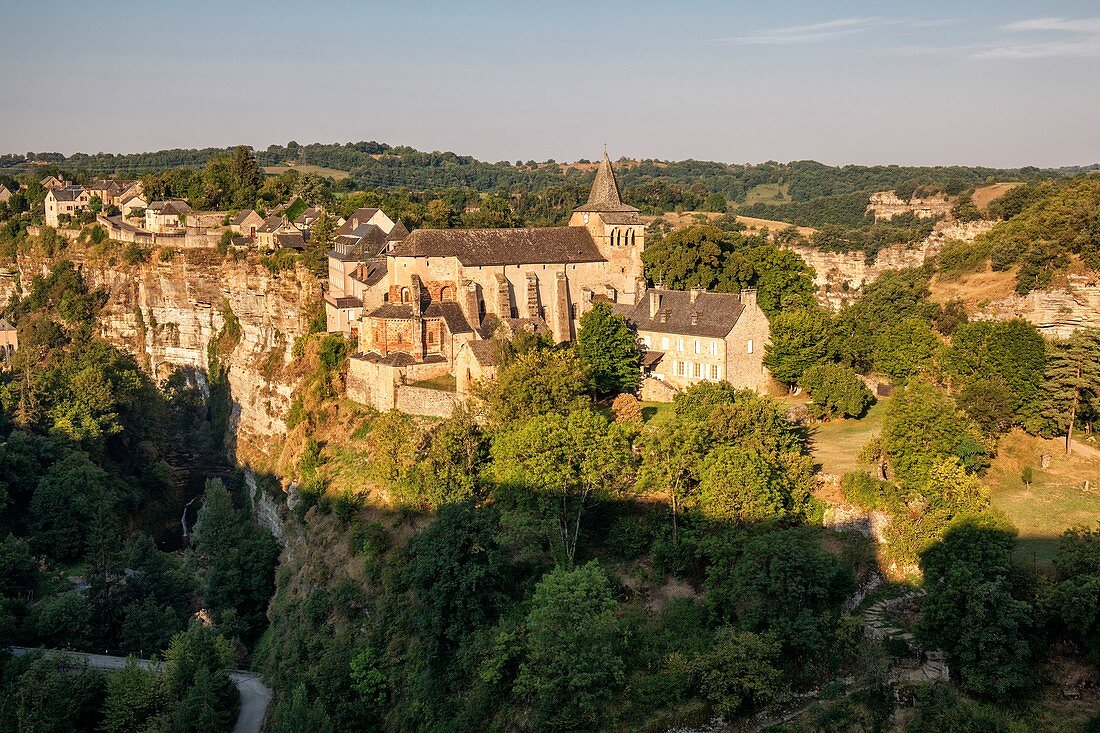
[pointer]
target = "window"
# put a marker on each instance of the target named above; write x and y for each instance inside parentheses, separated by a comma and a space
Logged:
(406, 296)
(698, 370)
(749, 346)
(664, 343)
(680, 345)
(679, 369)
(714, 348)
(714, 372)
(645, 340)
(696, 346)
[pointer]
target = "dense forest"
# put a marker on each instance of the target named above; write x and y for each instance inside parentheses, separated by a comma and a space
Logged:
(97, 462)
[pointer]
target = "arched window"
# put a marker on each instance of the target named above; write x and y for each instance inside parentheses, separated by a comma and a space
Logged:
(406, 296)
(447, 293)
(631, 242)
(614, 237)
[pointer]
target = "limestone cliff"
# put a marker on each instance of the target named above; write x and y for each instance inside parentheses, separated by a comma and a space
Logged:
(1056, 312)
(167, 312)
(840, 275)
(885, 205)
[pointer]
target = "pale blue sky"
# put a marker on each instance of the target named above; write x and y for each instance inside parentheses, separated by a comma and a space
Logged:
(1001, 83)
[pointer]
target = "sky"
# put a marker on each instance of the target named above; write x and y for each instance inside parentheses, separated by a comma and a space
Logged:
(1003, 83)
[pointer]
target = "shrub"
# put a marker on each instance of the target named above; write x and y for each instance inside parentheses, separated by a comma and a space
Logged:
(627, 408)
(836, 390)
(866, 491)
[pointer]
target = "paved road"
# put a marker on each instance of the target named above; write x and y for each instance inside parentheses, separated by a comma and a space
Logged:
(255, 695)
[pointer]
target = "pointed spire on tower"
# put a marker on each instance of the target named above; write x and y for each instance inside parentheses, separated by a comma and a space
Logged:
(605, 190)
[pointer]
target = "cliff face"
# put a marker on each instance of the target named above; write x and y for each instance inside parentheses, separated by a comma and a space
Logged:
(1056, 312)
(840, 275)
(167, 313)
(886, 205)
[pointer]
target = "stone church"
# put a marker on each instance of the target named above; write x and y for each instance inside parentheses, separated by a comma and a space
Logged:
(434, 298)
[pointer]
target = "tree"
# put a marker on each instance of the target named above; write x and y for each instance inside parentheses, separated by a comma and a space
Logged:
(321, 235)
(800, 339)
(977, 610)
(836, 390)
(672, 452)
(1073, 378)
(63, 505)
(740, 485)
(534, 383)
(136, 699)
(563, 460)
(448, 468)
(299, 713)
(739, 672)
(609, 348)
(783, 582)
(571, 662)
(905, 348)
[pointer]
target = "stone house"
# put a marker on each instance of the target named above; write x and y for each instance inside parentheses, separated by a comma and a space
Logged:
(246, 223)
(133, 203)
(65, 202)
(53, 182)
(113, 192)
(5, 194)
(279, 232)
(166, 216)
(696, 335)
(357, 266)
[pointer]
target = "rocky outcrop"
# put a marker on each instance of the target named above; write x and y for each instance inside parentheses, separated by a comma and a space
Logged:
(1057, 312)
(885, 205)
(840, 275)
(167, 313)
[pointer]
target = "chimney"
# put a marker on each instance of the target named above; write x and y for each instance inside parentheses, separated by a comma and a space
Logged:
(695, 318)
(663, 318)
(695, 292)
(654, 303)
(748, 297)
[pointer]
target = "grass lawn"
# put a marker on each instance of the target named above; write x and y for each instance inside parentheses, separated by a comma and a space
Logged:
(444, 383)
(767, 193)
(1056, 499)
(338, 175)
(651, 410)
(836, 444)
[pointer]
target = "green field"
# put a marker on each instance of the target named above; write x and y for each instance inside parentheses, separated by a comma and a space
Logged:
(836, 444)
(1056, 499)
(767, 193)
(274, 170)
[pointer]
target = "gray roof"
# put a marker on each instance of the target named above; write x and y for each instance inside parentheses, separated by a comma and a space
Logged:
(604, 196)
(5, 325)
(487, 353)
(359, 216)
(478, 247)
(173, 206)
(714, 314)
(68, 193)
(241, 216)
(451, 313)
(291, 240)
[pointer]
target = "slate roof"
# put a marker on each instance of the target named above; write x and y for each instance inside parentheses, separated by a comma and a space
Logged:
(371, 272)
(487, 353)
(604, 196)
(242, 216)
(358, 217)
(5, 325)
(68, 193)
(174, 206)
(715, 313)
(400, 358)
(290, 240)
(479, 247)
(398, 232)
(451, 313)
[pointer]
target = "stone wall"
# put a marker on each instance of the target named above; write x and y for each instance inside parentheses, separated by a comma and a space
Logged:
(426, 402)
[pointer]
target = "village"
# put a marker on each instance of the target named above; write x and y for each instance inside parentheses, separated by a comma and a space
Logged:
(429, 309)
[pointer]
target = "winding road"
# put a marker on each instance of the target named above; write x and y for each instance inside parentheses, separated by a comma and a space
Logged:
(255, 695)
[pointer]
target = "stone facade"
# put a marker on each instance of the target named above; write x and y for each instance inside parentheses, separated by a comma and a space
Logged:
(65, 201)
(699, 336)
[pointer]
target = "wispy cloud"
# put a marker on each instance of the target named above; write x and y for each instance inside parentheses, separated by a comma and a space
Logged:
(812, 33)
(1044, 38)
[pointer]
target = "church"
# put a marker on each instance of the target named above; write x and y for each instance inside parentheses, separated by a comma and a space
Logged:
(444, 288)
